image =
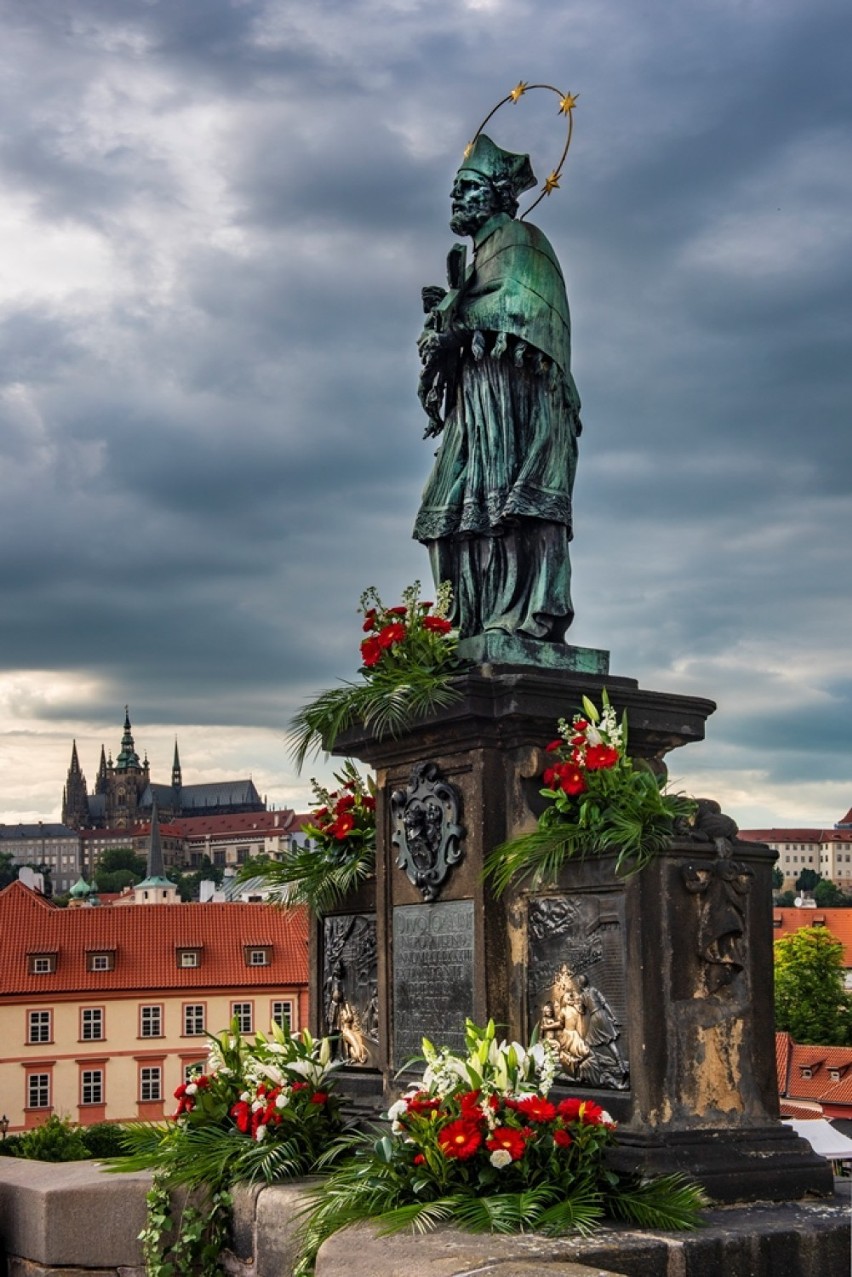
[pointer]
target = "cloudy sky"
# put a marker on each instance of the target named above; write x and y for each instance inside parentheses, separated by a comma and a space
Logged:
(215, 219)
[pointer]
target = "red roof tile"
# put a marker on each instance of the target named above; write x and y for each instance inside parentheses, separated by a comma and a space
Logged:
(838, 921)
(144, 938)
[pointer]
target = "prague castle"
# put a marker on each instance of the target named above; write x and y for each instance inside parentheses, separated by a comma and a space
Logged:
(125, 794)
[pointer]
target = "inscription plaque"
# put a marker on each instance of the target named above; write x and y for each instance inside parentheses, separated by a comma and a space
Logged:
(432, 975)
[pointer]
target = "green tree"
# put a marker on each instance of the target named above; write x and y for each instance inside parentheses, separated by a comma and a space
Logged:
(122, 858)
(777, 879)
(828, 895)
(786, 900)
(811, 1002)
(807, 880)
(8, 869)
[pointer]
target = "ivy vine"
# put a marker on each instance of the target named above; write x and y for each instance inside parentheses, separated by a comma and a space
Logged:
(189, 1243)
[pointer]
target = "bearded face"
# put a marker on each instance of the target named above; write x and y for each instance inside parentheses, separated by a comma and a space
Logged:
(474, 200)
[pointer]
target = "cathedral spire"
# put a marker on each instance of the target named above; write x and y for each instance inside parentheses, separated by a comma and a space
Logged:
(128, 758)
(176, 774)
(75, 802)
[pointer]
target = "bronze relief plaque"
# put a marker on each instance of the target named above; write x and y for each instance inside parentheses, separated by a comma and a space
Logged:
(350, 990)
(576, 985)
(432, 975)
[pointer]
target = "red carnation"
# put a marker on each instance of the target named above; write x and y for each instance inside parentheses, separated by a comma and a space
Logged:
(391, 634)
(343, 824)
(399, 610)
(319, 1097)
(561, 1138)
(422, 1102)
(572, 781)
(554, 744)
(469, 1104)
(344, 803)
(371, 651)
(369, 621)
(599, 757)
(508, 1138)
(202, 1080)
(550, 777)
(368, 802)
(535, 1108)
(299, 1086)
(437, 624)
(460, 1139)
(241, 1113)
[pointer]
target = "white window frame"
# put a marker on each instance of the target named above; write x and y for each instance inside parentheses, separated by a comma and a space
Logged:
(194, 1024)
(154, 1012)
(289, 1018)
(91, 1086)
(243, 1013)
(38, 1090)
(92, 1019)
(39, 1027)
(150, 1081)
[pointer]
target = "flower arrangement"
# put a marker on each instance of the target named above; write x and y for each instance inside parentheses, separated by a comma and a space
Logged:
(342, 853)
(266, 1110)
(408, 659)
(601, 800)
(477, 1142)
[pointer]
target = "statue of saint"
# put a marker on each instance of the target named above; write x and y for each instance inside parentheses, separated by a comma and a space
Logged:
(496, 382)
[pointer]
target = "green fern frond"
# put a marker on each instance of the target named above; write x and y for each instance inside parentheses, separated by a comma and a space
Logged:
(666, 1201)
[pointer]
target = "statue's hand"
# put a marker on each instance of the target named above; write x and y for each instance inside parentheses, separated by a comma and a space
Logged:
(429, 343)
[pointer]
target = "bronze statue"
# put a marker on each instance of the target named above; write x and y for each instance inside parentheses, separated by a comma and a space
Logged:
(496, 382)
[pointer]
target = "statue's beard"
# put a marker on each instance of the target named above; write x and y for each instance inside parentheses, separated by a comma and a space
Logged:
(468, 221)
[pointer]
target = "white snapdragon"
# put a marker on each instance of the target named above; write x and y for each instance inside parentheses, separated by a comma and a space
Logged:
(260, 1133)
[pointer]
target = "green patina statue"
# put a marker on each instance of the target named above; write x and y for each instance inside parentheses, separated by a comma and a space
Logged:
(496, 380)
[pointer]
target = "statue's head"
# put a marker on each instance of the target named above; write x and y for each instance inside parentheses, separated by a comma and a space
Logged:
(489, 180)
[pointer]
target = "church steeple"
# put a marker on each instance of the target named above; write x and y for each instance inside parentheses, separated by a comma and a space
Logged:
(176, 776)
(127, 759)
(101, 779)
(155, 888)
(75, 803)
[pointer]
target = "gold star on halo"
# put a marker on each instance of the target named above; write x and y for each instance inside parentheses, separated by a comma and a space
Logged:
(568, 103)
(519, 90)
(551, 183)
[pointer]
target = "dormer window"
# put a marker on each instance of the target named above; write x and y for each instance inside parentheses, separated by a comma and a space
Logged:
(835, 1074)
(189, 957)
(807, 1072)
(41, 963)
(100, 960)
(259, 955)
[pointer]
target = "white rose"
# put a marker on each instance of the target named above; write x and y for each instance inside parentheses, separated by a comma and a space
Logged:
(281, 1101)
(500, 1157)
(191, 1089)
(260, 1133)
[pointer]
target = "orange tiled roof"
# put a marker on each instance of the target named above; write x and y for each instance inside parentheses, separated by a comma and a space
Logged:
(783, 1043)
(145, 939)
(838, 921)
(820, 1087)
(256, 822)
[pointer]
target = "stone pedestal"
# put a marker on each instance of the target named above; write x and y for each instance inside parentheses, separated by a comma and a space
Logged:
(657, 992)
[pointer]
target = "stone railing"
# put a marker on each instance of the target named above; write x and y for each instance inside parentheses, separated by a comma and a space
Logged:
(74, 1220)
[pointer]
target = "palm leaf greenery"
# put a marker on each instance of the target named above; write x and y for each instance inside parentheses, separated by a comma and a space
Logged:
(409, 663)
(371, 1186)
(481, 1146)
(601, 801)
(342, 848)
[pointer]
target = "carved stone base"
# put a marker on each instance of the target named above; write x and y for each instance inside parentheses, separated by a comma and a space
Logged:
(769, 1163)
(656, 993)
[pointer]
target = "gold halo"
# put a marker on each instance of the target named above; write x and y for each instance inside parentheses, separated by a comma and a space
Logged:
(567, 102)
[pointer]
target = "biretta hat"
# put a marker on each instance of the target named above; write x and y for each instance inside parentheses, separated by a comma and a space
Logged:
(493, 163)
